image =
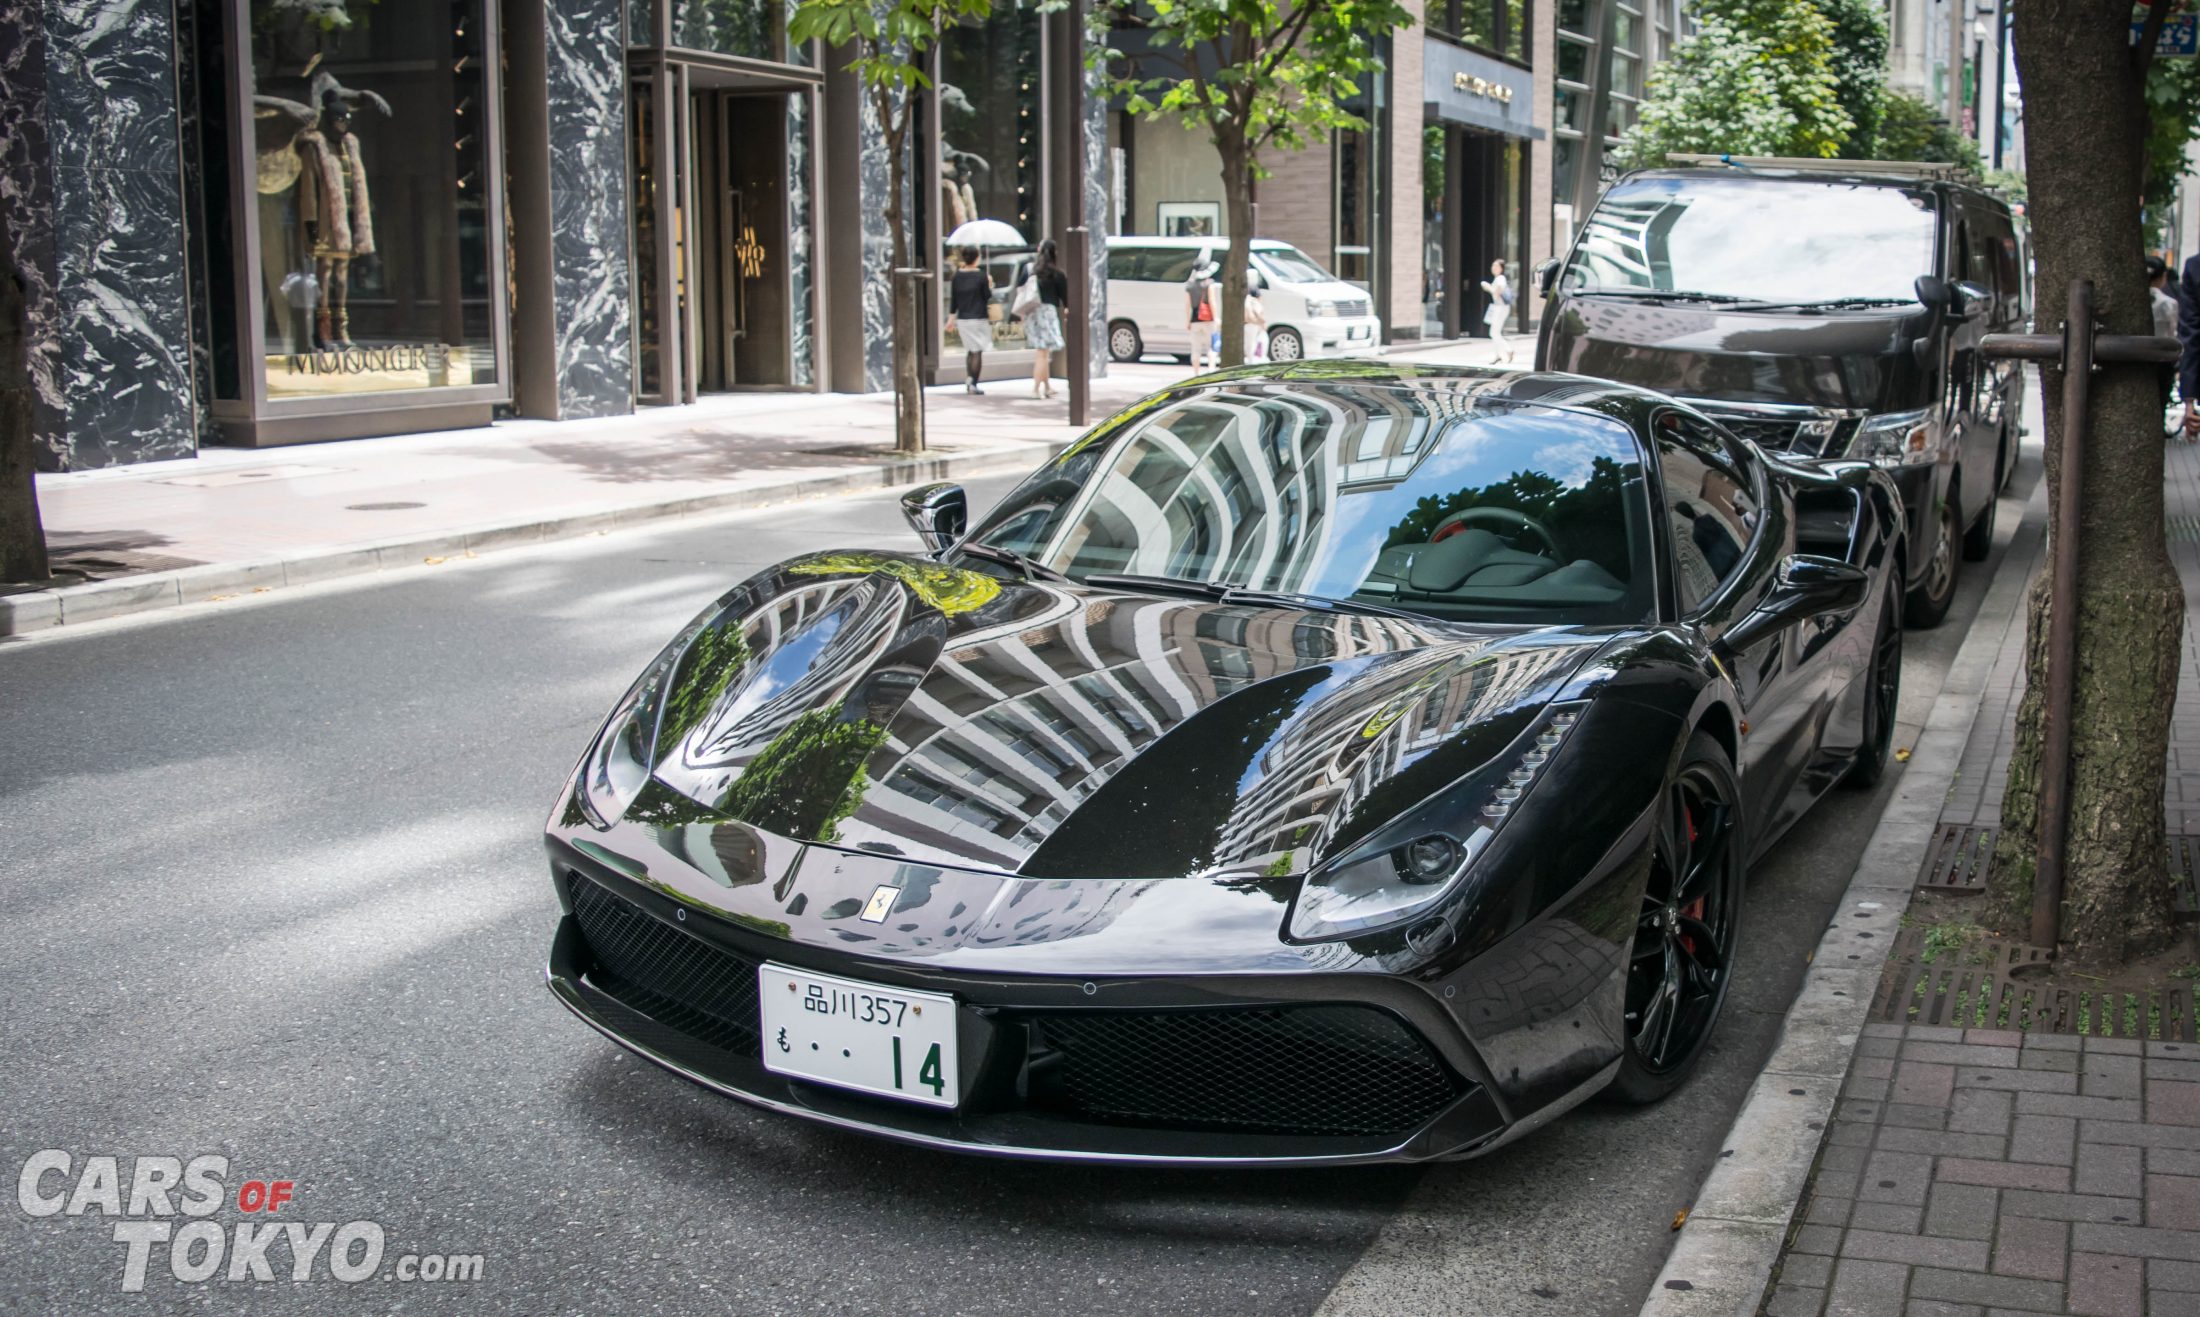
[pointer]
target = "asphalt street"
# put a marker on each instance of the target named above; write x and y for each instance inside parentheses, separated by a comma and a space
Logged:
(274, 891)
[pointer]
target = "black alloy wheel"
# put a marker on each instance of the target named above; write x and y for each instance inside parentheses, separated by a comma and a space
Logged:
(1882, 698)
(1124, 342)
(1928, 603)
(1682, 960)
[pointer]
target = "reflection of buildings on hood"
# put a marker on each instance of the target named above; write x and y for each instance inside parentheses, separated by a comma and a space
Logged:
(1004, 741)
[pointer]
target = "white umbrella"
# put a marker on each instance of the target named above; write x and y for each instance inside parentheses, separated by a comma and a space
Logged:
(985, 233)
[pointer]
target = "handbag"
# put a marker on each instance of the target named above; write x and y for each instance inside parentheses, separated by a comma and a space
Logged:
(1203, 310)
(1026, 299)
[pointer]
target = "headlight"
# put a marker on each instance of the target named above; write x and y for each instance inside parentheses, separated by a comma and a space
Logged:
(1390, 884)
(1895, 439)
(1320, 310)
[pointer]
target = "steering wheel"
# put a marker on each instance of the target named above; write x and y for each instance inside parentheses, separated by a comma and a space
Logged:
(1504, 521)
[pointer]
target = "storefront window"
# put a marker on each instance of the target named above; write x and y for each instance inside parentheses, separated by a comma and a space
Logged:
(990, 153)
(748, 28)
(373, 182)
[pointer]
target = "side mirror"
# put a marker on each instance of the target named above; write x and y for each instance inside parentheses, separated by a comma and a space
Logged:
(1971, 299)
(1805, 585)
(938, 513)
(1932, 290)
(1546, 274)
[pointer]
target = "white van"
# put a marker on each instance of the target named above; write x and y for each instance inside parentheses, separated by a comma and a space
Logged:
(1311, 312)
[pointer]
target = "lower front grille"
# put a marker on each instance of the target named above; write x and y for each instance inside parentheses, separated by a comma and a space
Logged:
(1774, 436)
(680, 981)
(1282, 1069)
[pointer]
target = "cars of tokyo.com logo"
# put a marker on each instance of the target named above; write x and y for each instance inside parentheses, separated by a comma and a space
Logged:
(162, 1209)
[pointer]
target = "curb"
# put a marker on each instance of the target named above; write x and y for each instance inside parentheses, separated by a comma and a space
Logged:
(1723, 1261)
(42, 610)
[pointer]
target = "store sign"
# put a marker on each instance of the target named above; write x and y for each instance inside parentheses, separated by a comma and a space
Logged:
(750, 253)
(381, 359)
(1476, 91)
(2180, 36)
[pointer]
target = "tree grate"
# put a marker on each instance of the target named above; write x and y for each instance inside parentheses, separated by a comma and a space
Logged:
(1958, 859)
(1988, 989)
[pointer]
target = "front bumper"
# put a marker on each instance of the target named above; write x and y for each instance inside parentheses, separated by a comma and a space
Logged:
(1344, 336)
(1359, 1068)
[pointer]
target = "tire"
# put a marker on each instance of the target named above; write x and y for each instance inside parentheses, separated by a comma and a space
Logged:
(1286, 345)
(1681, 962)
(1882, 696)
(1124, 341)
(1978, 540)
(1924, 606)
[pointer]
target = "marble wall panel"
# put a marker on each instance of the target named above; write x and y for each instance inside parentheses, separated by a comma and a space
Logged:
(801, 275)
(878, 255)
(592, 293)
(27, 208)
(1096, 214)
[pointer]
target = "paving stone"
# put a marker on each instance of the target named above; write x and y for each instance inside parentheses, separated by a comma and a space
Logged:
(1915, 1250)
(1979, 1287)
(1878, 1047)
(2064, 1104)
(2110, 1076)
(2072, 1207)
(1852, 1134)
(2173, 1161)
(2027, 1246)
(1960, 1054)
(2115, 1046)
(1892, 1218)
(2002, 1175)
(1921, 1083)
(1817, 1239)
(1911, 1116)
(1806, 1271)
(2183, 1277)
(1935, 1308)
(1994, 1037)
(1934, 1033)
(1897, 1177)
(2173, 1202)
(1945, 1144)
(2109, 1169)
(2022, 1081)
(2135, 1241)
(1882, 1031)
(2187, 1072)
(2107, 1286)
(1980, 1111)
(1875, 1067)
(2052, 1042)
(1867, 1289)
(1825, 1211)
(1960, 1211)
(2134, 1133)
(1864, 1088)
(2049, 1139)
(1795, 1301)
(2172, 1103)
(2191, 1051)
(2061, 1062)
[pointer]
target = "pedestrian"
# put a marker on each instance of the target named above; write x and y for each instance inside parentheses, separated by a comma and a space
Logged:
(1256, 319)
(2164, 305)
(969, 314)
(1200, 304)
(1500, 308)
(2188, 337)
(1043, 289)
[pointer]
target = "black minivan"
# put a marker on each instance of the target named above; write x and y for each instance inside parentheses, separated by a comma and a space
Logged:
(1820, 308)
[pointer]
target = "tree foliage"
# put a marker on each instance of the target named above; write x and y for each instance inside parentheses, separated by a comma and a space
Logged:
(1256, 74)
(1909, 129)
(2173, 123)
(1859, 70)
(1758, 77)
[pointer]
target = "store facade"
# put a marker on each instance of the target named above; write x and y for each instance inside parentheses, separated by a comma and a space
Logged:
(260, 222)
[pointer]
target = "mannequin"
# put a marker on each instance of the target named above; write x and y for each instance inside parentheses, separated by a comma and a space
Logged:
(334, 212)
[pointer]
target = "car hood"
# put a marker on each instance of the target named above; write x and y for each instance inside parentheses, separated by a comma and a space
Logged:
(899, 707)
(1845, 359)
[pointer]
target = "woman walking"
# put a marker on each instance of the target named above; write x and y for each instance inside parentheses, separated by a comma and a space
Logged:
(1043, 323)
(1202, 309)
(1500, 308)
(969, 304)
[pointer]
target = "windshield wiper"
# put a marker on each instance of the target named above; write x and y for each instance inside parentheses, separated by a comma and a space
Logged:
(1224, 592)
(1032, 568)
(1834, 302)
(1663, 295)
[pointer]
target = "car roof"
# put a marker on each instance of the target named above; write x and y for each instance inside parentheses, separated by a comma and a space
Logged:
(1863, 175)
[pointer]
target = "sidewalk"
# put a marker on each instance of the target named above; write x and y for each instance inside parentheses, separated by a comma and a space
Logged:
(2050, 1162)
(237, 520)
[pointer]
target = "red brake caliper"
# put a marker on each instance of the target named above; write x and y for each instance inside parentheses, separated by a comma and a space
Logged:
(1694, 909)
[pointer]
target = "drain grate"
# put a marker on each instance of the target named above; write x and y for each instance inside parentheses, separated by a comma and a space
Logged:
(1959, 992)
(1958, 859)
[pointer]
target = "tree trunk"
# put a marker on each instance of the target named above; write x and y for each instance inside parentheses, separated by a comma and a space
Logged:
(908, 380)
(22, 535)
(2085, 124)
(1237, 193)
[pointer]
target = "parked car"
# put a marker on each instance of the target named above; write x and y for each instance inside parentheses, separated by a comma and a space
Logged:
(1213, 800)
(1822, 308)
(1311, 312)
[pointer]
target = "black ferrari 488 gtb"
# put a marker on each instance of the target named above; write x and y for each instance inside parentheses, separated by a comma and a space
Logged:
(1328, 763)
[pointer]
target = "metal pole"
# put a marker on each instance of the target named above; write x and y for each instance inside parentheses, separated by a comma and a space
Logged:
(1077, 333)
(2062, 623)
(910, 410)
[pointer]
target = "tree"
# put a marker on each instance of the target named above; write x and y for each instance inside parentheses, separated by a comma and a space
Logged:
(1256, 74)
(2085, 130)
(1909, 129)
(1756, 78)
(22, 534)
(891, 39)
(1859, 70)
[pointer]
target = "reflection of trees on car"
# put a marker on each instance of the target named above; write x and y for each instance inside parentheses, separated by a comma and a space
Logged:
(808, 779)
(709, 666)
(1579, 513)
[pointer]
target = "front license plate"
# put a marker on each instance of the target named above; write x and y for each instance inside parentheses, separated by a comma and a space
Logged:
(888, 1041)
(1357, 331)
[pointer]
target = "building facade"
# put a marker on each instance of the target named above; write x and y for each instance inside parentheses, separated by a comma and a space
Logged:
(264, 222)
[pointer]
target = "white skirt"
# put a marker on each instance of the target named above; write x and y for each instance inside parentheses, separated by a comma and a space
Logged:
(976, 335)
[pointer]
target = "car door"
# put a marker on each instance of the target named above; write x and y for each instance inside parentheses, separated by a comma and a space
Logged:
(1971, 262)
(1162, 305)
(1720, 543)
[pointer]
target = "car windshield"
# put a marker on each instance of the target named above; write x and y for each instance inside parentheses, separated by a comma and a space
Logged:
(1756, 239)
(1423, 498)
(1290, 265)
